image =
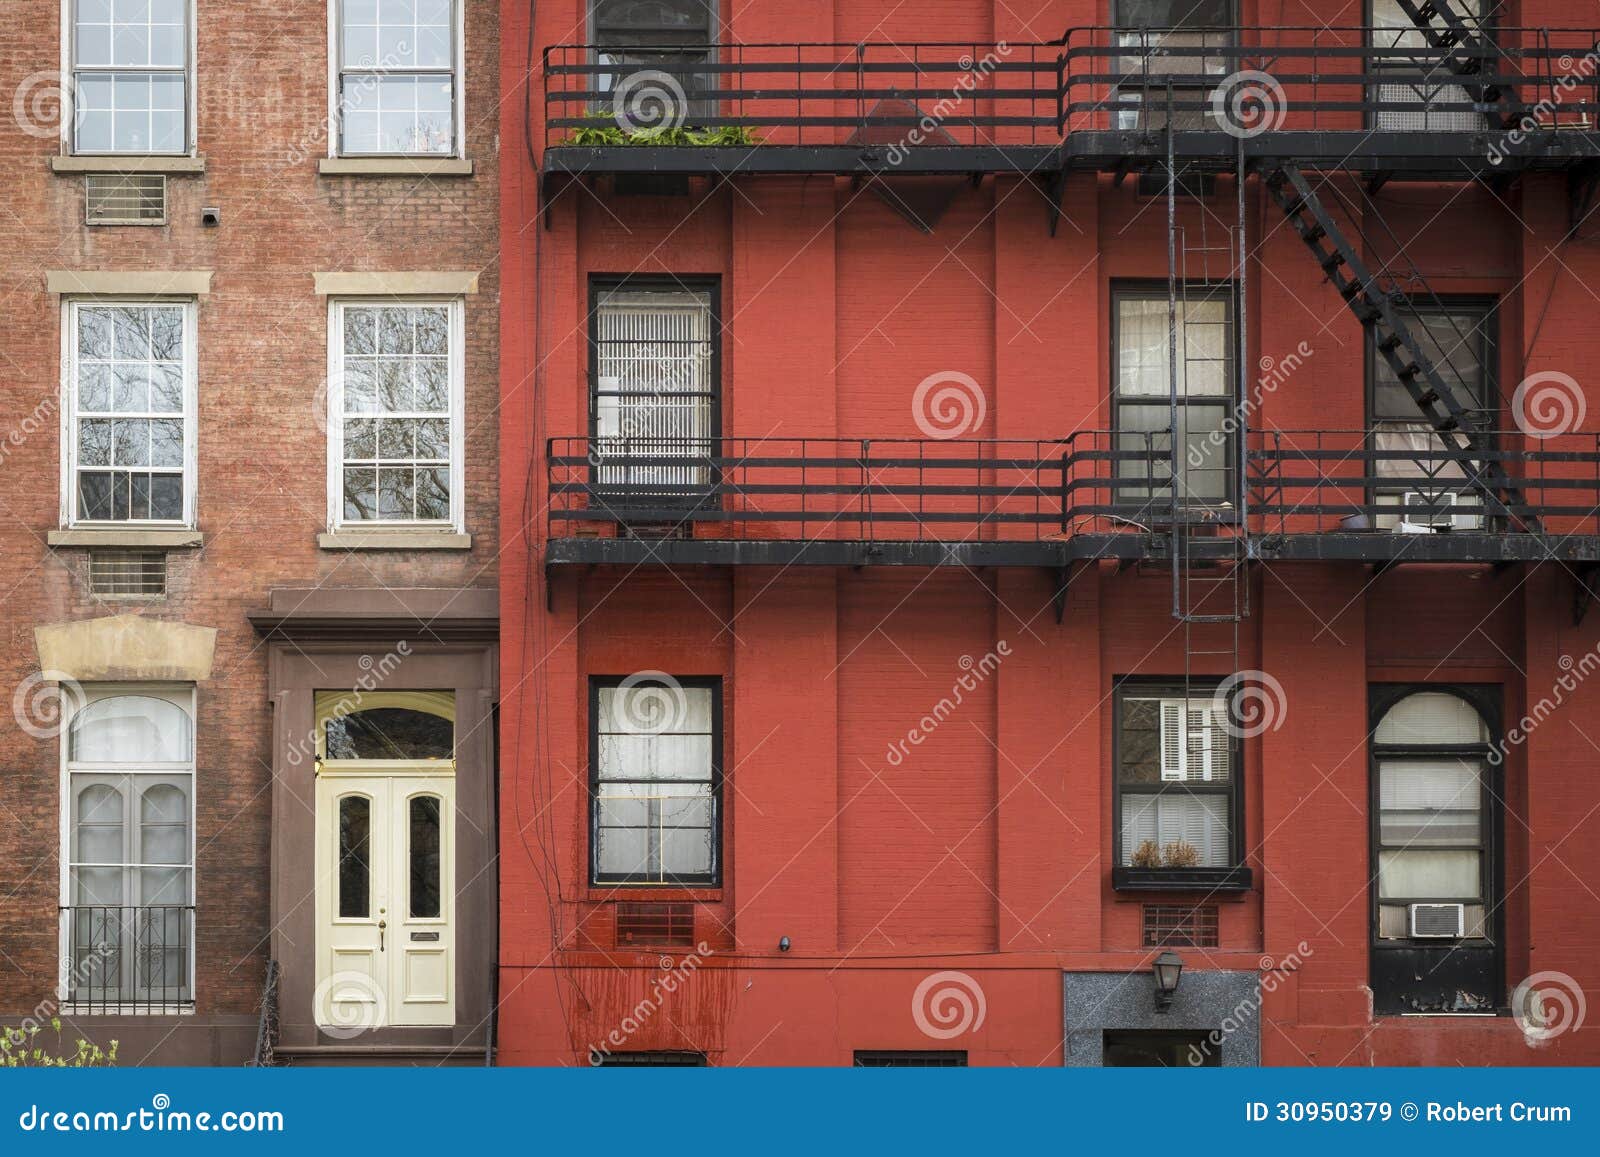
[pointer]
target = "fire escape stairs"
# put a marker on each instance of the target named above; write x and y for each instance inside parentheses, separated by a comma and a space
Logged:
(1379, 310)
(1463, 53)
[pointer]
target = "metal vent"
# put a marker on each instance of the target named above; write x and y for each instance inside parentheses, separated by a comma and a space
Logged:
(125, 199)
(128, 574)
(658, 925)
(911, 1059)
(1438, 921)
(1177, 925)
(653, 1060)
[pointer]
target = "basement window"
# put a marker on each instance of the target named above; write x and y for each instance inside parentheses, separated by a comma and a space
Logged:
(911, 1059)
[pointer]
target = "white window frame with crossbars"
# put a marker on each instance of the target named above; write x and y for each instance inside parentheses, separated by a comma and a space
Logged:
(339, 70)
(71, 68)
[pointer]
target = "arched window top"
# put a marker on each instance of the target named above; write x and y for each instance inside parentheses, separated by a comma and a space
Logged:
(1432, 719)
(131, 728)
(403, 725)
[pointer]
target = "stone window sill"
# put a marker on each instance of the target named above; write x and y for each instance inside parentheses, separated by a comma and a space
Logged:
(114, 163)
(394, 167)
(394, 540)
(131, 536)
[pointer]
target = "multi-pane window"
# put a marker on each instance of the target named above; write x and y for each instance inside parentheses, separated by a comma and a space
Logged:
(131, 405)
(1181, 43)
(396, 397)
(1458, 339)
(1177, 779)
(129, 863)
(1144, 393)
(656, 781)
(130, 76)
(654, 400)
(398, 77)
(1431, 751)
(671, 36)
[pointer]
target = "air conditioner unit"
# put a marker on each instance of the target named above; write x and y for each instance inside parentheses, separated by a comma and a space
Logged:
(1435, 521)
(1438, 921)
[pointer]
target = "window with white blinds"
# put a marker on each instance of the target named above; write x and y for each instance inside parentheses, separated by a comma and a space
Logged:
(654, 399)
(1176, 784)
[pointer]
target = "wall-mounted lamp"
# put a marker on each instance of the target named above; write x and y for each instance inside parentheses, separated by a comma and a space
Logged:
(1167, 969)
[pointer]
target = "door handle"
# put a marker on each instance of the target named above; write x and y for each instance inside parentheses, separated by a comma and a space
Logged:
(382, 924)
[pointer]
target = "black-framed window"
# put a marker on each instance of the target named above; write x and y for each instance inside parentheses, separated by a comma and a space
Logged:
(1151, 30)
(1437, 830)
(1458, 336)
(1177, 786)
(1159, 1049)
(1406, 49)
(1204, 470)
(655, 780)
(670, 36)
(655, 389)
(911, 1058)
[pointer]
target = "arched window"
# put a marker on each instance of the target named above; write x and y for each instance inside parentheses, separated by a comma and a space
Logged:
(387, 725)
(129, 879)
(1431, 752)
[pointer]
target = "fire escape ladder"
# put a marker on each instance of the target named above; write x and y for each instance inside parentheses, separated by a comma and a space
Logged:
(1377, 310)
(1463, 50)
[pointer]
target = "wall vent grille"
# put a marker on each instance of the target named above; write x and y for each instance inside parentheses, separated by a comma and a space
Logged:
(658, 925)
(1180, 926)
(128, 573)
(125, 199)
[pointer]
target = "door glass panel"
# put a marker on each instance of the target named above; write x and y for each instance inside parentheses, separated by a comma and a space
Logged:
(390, 733)
(355, 857)
(424, 853)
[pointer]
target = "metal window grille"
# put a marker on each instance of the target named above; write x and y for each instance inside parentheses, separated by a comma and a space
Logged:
(911, 1059)
(660, 925)
(125, 199)
(135, 574)
(1180, 926)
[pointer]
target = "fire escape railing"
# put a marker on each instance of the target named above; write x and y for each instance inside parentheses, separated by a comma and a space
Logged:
(1383, 480)
(1095, 79)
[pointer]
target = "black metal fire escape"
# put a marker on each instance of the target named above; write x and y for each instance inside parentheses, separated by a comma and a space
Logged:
(1463, 49)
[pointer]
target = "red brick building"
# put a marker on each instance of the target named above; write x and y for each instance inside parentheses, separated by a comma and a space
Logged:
(248, 527)
(881, 686)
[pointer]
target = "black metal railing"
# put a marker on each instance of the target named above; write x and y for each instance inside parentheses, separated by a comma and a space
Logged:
(1242, 80)
(1382, 480)
(124, 959)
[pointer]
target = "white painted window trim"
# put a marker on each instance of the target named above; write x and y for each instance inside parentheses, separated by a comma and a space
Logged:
(335, 390)
(191, 88)
(69, 412)
(458, 53)
(183, 696)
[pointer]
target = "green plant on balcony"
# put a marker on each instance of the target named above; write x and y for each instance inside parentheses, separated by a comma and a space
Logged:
(20, 1049)
(604, 132)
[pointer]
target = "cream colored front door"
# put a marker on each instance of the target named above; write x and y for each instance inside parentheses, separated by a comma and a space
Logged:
(385, 897)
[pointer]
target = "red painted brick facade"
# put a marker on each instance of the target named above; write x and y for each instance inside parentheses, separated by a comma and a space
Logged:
(988, 851)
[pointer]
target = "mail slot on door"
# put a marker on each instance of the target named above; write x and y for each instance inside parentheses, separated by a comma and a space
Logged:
(424, 936)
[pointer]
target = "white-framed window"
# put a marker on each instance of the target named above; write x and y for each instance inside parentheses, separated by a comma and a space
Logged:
(128, 423)
(127, 861)
(396, 78)
(395, 398)
(132, 69)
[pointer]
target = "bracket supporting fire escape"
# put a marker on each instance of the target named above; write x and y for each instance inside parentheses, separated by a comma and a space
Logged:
(1377, 311)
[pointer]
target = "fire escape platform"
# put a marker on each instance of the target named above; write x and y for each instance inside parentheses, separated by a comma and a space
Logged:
(841, 160)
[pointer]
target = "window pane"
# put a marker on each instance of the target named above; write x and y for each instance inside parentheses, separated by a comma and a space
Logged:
(1454, 343)
(1432, 718)
(425, 856)
(1173, 819)
(1204, 342)
(405, 115)
(1173, 13)
(390, 733)
(131, 729)
(1429, 875)
(164, 825)
(355, 871)
(99, 828)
